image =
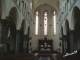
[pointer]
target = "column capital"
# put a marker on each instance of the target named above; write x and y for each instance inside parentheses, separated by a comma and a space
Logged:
(4, 22)
(18, 31)
(60, 38)
(71, 31)
(64, 36)
(25, 35)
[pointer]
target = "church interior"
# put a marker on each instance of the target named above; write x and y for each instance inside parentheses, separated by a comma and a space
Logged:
(39, 29)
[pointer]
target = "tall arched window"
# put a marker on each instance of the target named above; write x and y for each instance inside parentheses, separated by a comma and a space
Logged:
(45, 23)
(36, 25)
(54, 22)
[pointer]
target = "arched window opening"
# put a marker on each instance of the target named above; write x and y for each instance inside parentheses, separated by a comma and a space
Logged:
(36, 25)
(45, 23)
(9, 32)
(54, 23)
(31, 5)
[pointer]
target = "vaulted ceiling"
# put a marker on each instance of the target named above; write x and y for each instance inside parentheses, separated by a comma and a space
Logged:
(54, 3)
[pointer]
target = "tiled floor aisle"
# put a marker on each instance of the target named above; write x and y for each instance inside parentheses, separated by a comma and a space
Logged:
(44, 58)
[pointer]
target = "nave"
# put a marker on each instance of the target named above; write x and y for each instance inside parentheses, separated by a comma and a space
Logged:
(27, 26)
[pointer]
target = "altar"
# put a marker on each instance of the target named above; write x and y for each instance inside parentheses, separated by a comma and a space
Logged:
(45, 44)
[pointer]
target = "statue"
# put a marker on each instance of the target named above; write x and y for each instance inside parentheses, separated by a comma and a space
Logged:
(45, 38)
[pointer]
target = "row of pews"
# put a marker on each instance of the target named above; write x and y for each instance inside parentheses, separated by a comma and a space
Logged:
(21, 56)
(36, 56)
(72, 56)
(68, 56)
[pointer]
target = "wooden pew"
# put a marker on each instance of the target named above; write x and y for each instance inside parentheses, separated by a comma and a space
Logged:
(72, 57)
(28, 57)
(14, 56)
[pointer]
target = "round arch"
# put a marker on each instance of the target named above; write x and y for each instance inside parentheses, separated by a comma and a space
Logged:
(11, 30)
(67, 25)
(74, 17)
(22, 33)
(76, 26)
(2, 9)
(68, 36)
(14, 14)
(24, 26)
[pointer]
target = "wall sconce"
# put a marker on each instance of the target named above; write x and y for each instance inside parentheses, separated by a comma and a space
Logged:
(62, 12)
(28, 12)
(50, 25)
(33, 23)
(60, 38)
(60, 44)
(30, 38)
(40, 25)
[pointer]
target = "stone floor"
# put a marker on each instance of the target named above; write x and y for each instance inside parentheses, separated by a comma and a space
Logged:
(44, 58)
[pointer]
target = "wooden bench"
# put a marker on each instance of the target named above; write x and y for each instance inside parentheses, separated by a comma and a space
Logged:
(17, 56)
(26, 58)
(73, 57)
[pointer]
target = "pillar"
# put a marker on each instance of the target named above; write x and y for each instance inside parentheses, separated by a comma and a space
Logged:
(72, 40)
(62, 45)
(4, 24)
(25, 43)
(64, 42)
(3, 45)
(17, 41)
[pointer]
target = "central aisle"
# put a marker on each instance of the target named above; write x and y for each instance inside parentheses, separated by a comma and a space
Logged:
(44, 58)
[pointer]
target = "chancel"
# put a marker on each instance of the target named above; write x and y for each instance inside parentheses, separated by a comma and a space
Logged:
(39, 29)
(45, 44)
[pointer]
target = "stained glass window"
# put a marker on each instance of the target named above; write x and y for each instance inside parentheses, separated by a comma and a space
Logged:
(45, 23)
(54, 22)
(36, 25)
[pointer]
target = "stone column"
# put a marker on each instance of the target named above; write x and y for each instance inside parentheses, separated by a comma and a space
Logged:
(25, 43)
(62, 45)
(17, 41)
(72, 40)
(4, 24)
(64, 42)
